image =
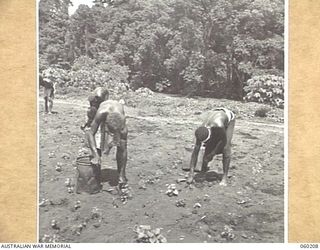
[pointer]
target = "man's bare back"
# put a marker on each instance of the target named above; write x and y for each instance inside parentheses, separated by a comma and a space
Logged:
(110, 117)
(215, 134)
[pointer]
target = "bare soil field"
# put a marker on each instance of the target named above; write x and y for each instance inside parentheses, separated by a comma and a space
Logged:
(161, 128)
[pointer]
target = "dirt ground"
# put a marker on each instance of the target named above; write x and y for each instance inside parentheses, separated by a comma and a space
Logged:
(249, 209)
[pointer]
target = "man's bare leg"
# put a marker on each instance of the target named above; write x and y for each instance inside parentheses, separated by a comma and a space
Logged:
(207, 157)
(122, 162)
(205, 162)
(50, 105)
(46, 104)
(227, 153)
(226, 162)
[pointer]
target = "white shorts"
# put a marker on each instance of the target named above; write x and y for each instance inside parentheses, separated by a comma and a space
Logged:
(228, 112)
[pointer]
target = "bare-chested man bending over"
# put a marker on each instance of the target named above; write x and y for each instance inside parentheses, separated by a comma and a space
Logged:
(111, 118)
(215, 134)
(99, 95)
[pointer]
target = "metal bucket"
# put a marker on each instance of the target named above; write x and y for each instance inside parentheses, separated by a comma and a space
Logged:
(88, 176)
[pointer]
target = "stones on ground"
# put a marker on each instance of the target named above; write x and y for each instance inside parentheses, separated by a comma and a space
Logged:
(244, 236)
(69, 185)
(180, 203)
(59, 167)
(68, 182)
(158, 174)
(228, 233)
(206, 197)
(144, 92)
(45, 238)
(49, 239)
(112, 191)
(58, 201)
(96, 213)
(83, 152)
(77, 205)
(152, 179)
(97, 224)
(240, 202)
(52, 155)
(257, 169)
(74, 139)
(181, 180)
(172, 190)
(125, 193)
(43, 202)
(197, 205)
(203, 217)
(65, 156)
(79, 228)
(176, 163)
(54, 224)
(114, 203)
(145, 234)
(142, 184)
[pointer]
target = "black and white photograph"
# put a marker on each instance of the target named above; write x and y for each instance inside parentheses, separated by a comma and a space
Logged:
(161, 121)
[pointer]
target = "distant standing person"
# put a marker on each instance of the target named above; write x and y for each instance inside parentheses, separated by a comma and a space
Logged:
(98, 96)
(47, 81)
(111, 118)
(215, 135)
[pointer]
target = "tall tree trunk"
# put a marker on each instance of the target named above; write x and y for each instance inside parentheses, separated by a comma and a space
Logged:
(86, 40)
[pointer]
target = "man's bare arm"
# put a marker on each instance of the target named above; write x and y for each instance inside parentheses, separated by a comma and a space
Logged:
(217, 149)
(194, 156)
(209, 156)
(98, 119)
(194, 159)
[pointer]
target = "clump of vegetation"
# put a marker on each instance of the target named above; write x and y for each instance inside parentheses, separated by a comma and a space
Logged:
(262, 112)
(188, 47)
(268, 89)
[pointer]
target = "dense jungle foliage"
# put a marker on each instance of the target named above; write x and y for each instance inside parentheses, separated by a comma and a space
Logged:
(216, 48)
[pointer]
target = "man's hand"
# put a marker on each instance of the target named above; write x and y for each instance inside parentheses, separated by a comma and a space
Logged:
(190, 178)
(96, 160)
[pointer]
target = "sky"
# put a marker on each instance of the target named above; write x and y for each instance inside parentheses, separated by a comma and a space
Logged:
(76, 3)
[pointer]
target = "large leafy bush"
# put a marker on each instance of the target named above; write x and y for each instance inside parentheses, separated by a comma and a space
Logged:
(267, 89)
(87, 74)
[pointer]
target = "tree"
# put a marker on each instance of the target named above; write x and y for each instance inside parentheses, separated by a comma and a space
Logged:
(53, 23)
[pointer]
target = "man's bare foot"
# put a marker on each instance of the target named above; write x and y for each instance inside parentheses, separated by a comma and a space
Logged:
(190, 180)
(223, 182)
(96, 161)
(122, 182)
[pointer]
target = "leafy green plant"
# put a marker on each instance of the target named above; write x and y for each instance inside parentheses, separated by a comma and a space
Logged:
(87, 74)
(267, 89)
(262, 112)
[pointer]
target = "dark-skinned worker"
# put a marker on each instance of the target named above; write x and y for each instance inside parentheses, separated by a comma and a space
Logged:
(215, 135)
(110, 117)
(46, 80)
(99, 95)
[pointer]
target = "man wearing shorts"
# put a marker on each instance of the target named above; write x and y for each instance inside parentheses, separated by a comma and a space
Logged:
(111, 119)
(46, 80)
(98, 96)
(215, 135)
